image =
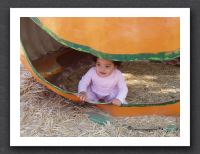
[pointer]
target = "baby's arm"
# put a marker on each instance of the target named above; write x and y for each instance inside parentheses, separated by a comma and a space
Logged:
(84, 83)
(123, 90)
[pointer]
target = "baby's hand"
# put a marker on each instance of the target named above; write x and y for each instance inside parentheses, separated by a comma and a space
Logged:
(116, 102)
(82, 95)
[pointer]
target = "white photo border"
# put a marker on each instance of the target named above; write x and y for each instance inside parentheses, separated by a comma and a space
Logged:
(16, 140)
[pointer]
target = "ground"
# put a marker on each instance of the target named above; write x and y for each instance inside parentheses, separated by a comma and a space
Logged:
(43, 113)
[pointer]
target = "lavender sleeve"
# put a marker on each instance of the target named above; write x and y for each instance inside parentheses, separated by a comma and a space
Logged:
(123, 90)
(85, 80)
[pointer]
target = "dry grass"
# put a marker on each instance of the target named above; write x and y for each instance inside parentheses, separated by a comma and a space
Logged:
(44, 113)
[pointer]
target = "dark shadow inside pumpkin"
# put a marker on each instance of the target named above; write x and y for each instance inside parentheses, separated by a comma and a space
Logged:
(148, 82)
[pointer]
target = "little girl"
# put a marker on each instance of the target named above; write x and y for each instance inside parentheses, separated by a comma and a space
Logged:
(104, 82)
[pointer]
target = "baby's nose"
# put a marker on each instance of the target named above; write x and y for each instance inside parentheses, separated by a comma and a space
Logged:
(103, 69)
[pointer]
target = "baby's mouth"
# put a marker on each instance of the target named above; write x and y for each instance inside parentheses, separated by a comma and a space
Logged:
(102, 73)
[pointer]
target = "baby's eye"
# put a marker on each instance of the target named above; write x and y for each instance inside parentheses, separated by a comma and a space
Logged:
(107, 66)
(98, 64)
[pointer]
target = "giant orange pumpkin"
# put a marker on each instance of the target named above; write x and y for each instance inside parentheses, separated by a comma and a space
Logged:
(114, 38)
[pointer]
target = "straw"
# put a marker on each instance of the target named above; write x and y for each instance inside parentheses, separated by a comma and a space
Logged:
(43, 113)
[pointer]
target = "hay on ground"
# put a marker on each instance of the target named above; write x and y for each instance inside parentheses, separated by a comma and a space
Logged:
(43, 113)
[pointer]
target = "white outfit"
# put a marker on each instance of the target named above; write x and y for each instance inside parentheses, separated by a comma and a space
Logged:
(107, 88)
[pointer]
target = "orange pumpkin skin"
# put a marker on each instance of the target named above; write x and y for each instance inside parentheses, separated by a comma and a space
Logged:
(166, 110)
(115, 35)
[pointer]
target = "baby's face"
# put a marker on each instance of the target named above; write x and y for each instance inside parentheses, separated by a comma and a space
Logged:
(104, 67)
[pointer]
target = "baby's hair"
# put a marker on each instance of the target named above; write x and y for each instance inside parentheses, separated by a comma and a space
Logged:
(116, 63)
